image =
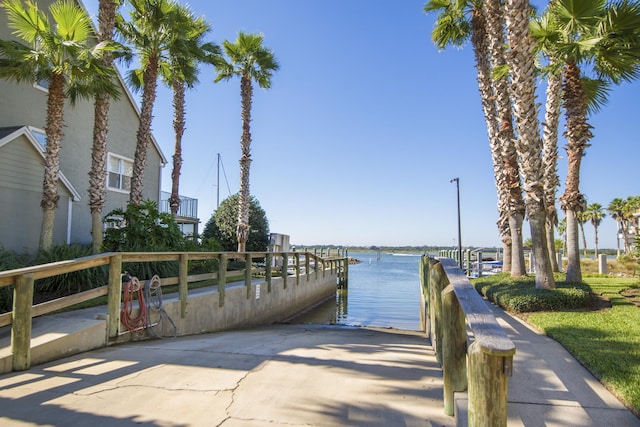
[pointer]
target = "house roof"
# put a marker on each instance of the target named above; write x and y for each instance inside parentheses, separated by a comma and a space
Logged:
(11, 133)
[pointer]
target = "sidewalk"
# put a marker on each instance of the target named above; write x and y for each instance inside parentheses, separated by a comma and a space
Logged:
(294, 375)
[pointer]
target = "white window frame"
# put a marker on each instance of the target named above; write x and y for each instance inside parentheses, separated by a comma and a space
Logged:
(38, 86)
(111, 156)
(37, 131)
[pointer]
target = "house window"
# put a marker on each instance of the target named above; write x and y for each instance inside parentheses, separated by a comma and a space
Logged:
(40, 136)
(43, 85)
(119, 171)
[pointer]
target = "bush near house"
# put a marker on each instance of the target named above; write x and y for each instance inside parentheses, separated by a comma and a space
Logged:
(139, 229)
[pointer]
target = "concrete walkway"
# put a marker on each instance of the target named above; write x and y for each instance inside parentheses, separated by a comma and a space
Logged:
(294, 375)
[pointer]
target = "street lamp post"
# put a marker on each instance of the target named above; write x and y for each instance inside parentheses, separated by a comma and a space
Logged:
(457, 180)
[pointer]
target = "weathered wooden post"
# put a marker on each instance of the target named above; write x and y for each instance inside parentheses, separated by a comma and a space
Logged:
(247, 273)
(222, 278)
(22, 322)
(438, 281)
(425, 323)
(285, 265)
(479, 266)
(114, 298)
(297, 258)
(488, 382)
(183, 283)
(307, 265)
(454, 348)
(267, 262)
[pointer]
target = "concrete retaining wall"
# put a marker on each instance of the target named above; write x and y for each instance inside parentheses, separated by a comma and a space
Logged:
(258, 307)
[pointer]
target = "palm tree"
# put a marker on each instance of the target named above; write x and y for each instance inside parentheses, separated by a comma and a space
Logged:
(582, 219)
(630, 222)
(595, 214)
(529, 146)
(250, 60)
(562, 230)
(616, 210)
(181, 73)
(602, 35)
(106, 27)
(62, 52)
(153, 26)
(456, 22)
(508, 156)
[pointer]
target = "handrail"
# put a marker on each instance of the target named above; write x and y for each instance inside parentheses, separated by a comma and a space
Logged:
(24, 279)
(450, 307)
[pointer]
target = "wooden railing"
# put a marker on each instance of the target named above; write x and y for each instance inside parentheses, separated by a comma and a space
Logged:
(23, 280)
(451, 307)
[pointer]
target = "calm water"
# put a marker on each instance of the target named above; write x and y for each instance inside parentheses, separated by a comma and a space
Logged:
(382, 293)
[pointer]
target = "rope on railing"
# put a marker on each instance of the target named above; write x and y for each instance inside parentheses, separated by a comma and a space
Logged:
(133, 323)
(153, 297)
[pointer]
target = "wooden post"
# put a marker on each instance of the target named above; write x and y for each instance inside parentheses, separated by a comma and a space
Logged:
(438, 281)
(487, 387)
(21, 323)
(247, 273)
(454, 348)
(425, 323)
(115, 294)
(285, 264)
(268, 259)
(307, 264)
(222, 278)
(183, 283)
(297, 256)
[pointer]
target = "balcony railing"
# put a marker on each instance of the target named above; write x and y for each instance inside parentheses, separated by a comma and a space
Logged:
(188, 206)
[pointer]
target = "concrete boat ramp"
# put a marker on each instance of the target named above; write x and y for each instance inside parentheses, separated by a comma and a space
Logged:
(293, 375)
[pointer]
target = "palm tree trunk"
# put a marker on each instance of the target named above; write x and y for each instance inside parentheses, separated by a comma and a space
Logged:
(242, 231)
(578, 134)
(584, 239)
(574, 273)
(53, 130)
(505, 235)
(507, 157)
(595, 240)
(529, 146)
(550, 160)
(143, 136)
(98, 172)
(178, 127)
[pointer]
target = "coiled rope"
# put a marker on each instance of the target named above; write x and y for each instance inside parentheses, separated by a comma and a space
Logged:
(138, 322)
(153, 296)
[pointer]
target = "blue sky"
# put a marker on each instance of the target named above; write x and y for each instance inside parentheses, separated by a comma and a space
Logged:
(364, 127)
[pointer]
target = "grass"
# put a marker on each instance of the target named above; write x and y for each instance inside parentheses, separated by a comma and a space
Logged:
(605, 340)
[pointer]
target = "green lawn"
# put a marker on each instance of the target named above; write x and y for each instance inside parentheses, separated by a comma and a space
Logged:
(606, 341)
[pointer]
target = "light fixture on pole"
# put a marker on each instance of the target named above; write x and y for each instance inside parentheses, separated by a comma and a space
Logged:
(457, 180)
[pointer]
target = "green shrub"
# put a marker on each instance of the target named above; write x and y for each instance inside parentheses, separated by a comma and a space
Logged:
(10, 260)
(69, 283)
(520, 295)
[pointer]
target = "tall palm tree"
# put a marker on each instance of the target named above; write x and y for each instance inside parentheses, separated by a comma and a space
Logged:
(185, 54)
(601, 37)
(106, 28)
(508, 156)
(62, 52)
(152, 28)
(630, 209)
(456, 22)
(520, 60)
(615, 209)
(582, 219)
(595, 213)
(251, 61)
